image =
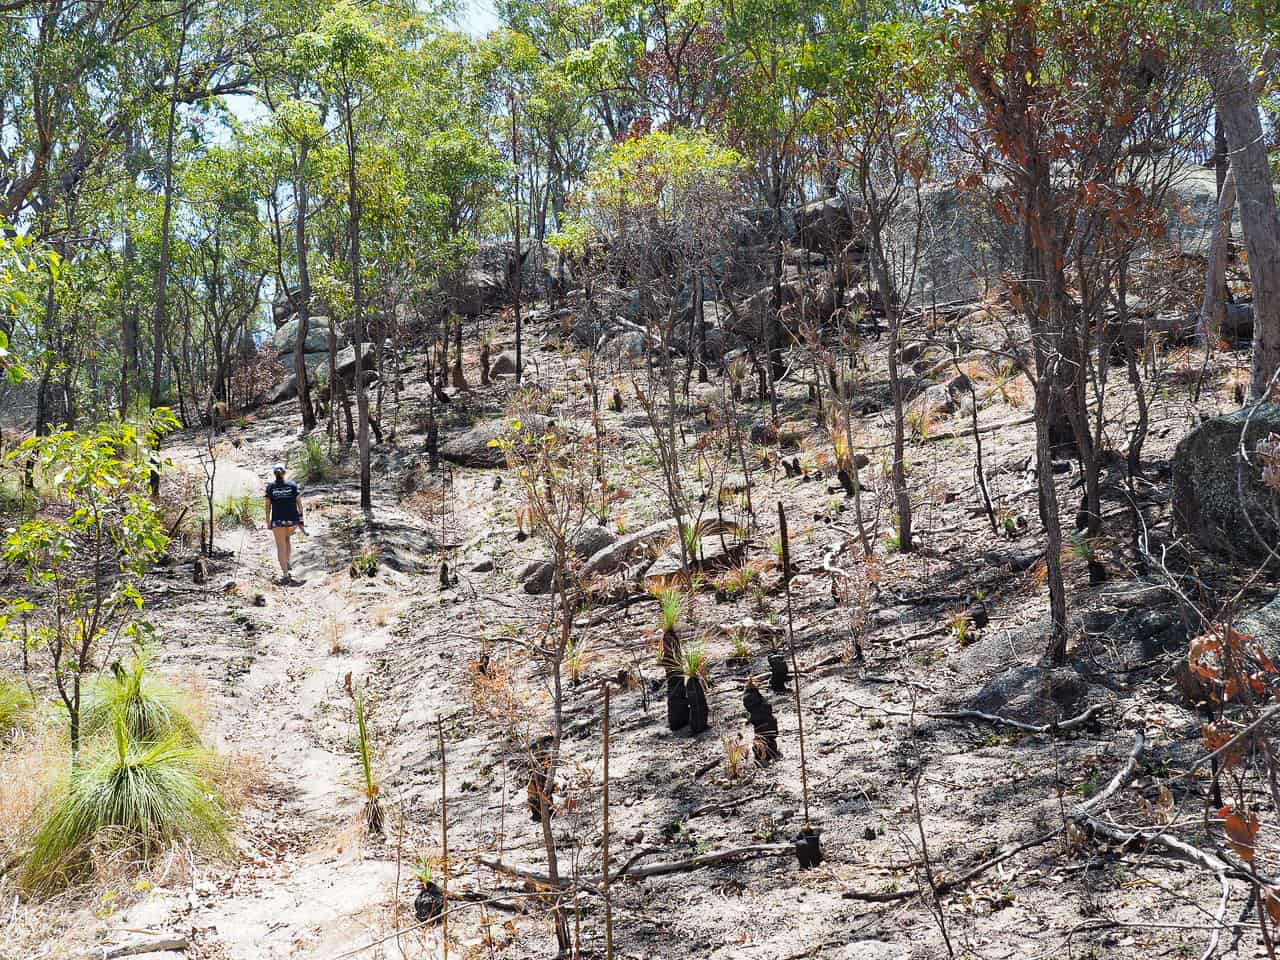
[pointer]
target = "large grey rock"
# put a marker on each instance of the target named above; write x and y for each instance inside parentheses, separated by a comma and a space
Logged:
(941, 398)
(286, 338)
(537, 578)
(827, 225)
(624, 345)
(504, 364)
(478, 289)
(1263, 625)
(713, 556)
(345, 365)
(479, 563)
(284, 391)
(283, 309)
(311, 361)
(471, 448)
(1219, 500)
(619, 552)
(591, 539)
(1033, 694)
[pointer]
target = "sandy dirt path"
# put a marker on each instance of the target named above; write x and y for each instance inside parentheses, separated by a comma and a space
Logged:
(305, 883)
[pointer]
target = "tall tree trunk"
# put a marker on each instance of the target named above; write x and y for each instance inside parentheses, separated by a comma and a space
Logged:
(901, 496)
(519, 265)
(357, 313)
(1237, 103)
(1213, 307)
(304, 291)
(159, 316)
(128, 319)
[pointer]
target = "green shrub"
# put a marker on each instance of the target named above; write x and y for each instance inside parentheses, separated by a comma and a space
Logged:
(374, 816)
(310, 462)
(135, 796)
(694, 663)
(152, 710)
(16, 706)
(672, 604)
(239, 510)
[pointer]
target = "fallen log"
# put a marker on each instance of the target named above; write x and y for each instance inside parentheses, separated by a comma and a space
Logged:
(633, 872)
(961, 716)
(140, 946)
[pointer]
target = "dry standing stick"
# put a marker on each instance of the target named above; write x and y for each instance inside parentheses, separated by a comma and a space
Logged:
(608, 901)
(399, 857)
(444, 847)
(795, 667)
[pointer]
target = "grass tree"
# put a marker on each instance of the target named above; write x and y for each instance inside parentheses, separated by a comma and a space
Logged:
(81, 558)
(148, 794)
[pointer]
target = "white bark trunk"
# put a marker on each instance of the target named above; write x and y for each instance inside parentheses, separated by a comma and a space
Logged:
(1237, 99)
(1213, 308)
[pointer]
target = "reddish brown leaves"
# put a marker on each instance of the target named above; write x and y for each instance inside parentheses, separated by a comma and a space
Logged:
(1215, 738)
(1228, 663)
(1241, 828)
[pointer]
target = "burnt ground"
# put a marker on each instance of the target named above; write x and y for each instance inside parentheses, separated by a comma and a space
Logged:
(897, 795)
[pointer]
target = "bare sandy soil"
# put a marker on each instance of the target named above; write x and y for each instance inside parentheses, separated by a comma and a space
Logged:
(898, 796)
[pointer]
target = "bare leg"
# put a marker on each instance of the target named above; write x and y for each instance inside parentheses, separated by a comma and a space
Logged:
(282, 547)
(288, 548)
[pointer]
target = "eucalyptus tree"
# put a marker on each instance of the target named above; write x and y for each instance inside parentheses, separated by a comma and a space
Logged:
(775, 75)
(1060, 101)
(351, 56)
(220, 266)
(1237, 77)
(880, 124)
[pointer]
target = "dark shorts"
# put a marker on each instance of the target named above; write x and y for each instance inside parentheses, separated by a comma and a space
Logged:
(285, 523)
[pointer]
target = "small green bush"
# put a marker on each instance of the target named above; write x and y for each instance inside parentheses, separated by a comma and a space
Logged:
(374, 816)
(152, 710)
(16, 706)
(310, 462)
(135, 796)
(240, 510)
(672, 604)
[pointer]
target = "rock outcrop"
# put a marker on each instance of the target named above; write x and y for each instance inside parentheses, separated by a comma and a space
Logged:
(1219, 499)
(471, 448)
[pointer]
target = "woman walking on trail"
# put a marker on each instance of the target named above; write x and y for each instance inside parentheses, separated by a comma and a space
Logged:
(284, 515)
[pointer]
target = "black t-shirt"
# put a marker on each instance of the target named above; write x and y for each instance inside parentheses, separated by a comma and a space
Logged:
(284, 500)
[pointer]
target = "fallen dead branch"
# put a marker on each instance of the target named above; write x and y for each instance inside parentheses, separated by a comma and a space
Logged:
(957, 433)
(1082, 814)
(948, 885)
(140, 946)
(977, 716)
(631, 871)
